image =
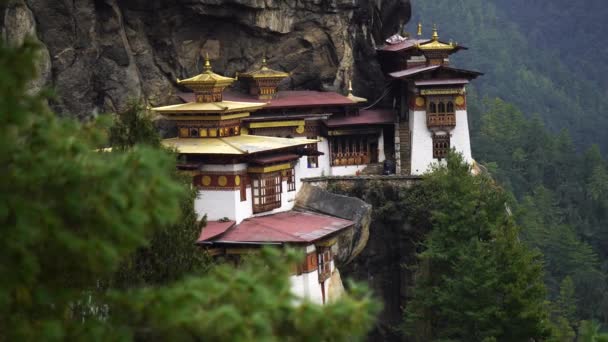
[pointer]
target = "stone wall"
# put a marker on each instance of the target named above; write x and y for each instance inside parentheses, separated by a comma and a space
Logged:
(347, 183)
(100, 54)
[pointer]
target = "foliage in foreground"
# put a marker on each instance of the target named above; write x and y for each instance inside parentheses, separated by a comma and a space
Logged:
(170, 254)
(71, 215)
(475, 280)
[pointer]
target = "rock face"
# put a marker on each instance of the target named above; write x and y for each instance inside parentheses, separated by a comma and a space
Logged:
(352, 242)
(100, 54)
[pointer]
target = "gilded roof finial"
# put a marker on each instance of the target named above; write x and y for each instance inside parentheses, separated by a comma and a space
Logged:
(264, 62)
(350, 87)
(419, 29)
(207, 62)
(435, 33)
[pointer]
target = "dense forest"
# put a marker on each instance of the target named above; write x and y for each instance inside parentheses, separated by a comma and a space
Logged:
(537, 120)
(542, 56)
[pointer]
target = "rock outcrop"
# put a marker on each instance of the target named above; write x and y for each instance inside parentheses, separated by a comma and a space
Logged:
(352, 242)
(100, 54)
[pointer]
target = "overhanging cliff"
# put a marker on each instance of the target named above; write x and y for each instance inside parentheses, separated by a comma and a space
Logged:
(100, 54)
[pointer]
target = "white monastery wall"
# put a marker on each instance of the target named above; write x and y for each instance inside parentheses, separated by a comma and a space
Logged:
(461, 140)
(217, 204)
(348, 170)
(381, 154)
(422, 143)
(307, 286)
(422, 140)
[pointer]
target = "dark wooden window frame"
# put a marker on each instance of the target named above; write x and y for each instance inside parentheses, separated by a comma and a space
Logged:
(289, 176)
(324, 258)
(441, 146)
(266, 190)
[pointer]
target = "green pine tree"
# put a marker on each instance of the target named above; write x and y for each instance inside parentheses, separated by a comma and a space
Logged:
(476, 281)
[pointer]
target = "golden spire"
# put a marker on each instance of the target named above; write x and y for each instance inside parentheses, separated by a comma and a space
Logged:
(419, 29)
(352, 97)
(435, 33)
(207, 62)
(264, 62)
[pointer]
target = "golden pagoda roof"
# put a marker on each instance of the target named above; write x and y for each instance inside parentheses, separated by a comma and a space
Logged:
(352, 97)
(235, 145)
(264, 72)
(207, 78)
(435, 44)
(209, 107)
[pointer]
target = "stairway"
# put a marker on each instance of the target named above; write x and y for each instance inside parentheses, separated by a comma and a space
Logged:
(405, 148)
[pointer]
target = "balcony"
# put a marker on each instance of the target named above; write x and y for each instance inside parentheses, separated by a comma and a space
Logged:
(441, 120)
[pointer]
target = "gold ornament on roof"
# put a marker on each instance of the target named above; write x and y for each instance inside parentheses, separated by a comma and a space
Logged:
(435, 44)
(206, 80)
(352, 97)
(419, 29)
(264, 72)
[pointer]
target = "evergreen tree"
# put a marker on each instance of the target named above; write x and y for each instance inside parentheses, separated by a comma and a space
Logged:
(476, 281)
(171, 252)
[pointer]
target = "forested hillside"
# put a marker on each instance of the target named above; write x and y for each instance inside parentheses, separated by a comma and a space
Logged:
(538, 118)
(543, 56)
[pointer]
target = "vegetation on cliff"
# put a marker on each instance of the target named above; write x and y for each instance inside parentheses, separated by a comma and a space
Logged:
(71, 215)
(475, 281)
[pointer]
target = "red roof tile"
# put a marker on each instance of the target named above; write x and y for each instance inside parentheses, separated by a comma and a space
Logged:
(422, 69)
(365, 117)
(214, 228)
(286, 227)
(404, 45)
(287, 99)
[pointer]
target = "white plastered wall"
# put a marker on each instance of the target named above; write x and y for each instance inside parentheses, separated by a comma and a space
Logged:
(307, 286)
(422, 140)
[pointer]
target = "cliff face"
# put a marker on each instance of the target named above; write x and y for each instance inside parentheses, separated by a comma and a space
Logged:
(99, 54)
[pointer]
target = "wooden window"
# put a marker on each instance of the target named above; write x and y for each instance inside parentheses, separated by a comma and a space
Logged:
(351, 150)
(450, 107)
(324, 258)
(290, 176)
(441, 107)
(266, 190)
(243, 188)
(193, 132)
(313, 161)
(441, 112)
(441, 146)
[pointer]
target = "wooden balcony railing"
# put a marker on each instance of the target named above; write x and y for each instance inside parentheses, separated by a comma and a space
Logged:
(441, 120)
(349, 158)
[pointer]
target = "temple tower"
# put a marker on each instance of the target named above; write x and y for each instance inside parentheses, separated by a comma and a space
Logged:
(430, 97)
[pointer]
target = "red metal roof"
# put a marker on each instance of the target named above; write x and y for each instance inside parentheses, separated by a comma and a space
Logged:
(404, 45)
(286, 227)
(286, 99)
(214, 228)
(422, 69)
(413, 71)
(365, 117)
(455, 81)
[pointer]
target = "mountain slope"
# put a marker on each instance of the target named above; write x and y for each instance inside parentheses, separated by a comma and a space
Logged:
(519, 69)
